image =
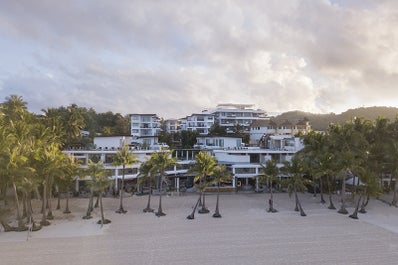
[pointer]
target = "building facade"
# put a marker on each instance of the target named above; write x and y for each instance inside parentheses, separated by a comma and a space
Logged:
(144, 129)
(198, 122)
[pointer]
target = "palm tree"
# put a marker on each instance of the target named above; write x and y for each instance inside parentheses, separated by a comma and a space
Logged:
(204, 167)
(124, 158)
(48, 161)
(269, 175)
(99, 182)
(221, 174)
(147, 175)
(350, 148)
(73, 124)
(161, 161)
(295, 182)
(71, 170)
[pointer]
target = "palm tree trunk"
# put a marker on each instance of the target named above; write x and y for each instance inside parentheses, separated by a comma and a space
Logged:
(217, 211)
(314, 186)
(50, 213)
(343, 210)
(44, 221)
(33, 227)
(203, 209)
(19, 217)
(90, 205)
(67, 201)
(271, 208)
(321, 190)
(160, 211)
(148, 207)
(24, 206)
(102, 209)
(302, 213)
(192, 215)
(96, 202)
(331, 205)
(58, 201)
(394, 197)
(121, 193)
(355, 214)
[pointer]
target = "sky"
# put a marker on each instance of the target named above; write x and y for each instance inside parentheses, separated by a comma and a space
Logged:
(178, 57)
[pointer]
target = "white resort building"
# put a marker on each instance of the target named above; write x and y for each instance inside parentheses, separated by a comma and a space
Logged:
(270, 139)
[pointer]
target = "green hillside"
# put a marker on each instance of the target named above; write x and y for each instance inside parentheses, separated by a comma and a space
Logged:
(321, 121)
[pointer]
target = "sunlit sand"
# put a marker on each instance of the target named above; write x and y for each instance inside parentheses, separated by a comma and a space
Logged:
(246, 234)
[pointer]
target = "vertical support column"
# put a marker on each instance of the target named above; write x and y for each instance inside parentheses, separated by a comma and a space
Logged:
(177, 179)
(187, 155)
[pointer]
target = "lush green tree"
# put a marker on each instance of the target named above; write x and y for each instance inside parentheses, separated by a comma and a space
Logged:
(350, 148)
(188, 138)
(217, 130)
(124, 158)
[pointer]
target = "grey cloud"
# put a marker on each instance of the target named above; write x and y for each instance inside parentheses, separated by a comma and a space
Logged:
(177, 57)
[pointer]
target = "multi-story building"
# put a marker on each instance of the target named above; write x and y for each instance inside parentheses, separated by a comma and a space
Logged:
(198, 122)
(145, 129)
(231, 115)
(173, 125)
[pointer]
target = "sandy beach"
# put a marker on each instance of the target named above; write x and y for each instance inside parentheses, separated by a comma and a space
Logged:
(246, 234)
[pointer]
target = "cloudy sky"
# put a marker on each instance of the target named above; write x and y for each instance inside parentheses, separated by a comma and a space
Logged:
(178, 57)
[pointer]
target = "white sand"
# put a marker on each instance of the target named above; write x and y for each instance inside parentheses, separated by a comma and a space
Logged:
(246, 234)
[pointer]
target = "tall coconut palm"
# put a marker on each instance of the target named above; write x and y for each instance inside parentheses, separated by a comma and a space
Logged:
(147, 175)
(161, 161)
(295, 181)
(99, 182)
(269, 175)
(204, 167)
(220, 174)
(48, 161)
(124, 158)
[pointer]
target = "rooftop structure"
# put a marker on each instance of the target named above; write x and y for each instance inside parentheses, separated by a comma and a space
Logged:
(230, 115)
